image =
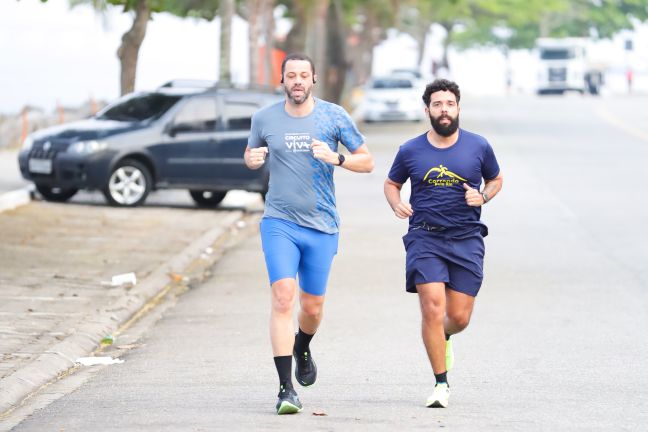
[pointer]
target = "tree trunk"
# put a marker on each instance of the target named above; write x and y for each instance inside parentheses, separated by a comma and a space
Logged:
(335, 53)
(446, 44)
(254, 9)
(268, 30)
(363, 58)
(226, 12)
(128, 51)
(296, 37)
(319, 36)
(421, 35)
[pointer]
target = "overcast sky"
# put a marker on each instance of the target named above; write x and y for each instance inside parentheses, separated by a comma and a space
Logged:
(49, 52)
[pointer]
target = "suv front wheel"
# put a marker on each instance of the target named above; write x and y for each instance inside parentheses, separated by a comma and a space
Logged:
(207, 198)
(129, 184)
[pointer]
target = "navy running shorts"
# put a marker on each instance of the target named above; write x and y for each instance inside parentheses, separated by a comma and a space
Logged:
(292, 250)
(456, 260)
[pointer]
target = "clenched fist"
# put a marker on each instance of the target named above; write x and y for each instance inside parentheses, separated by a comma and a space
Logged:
(256, 157)
(403, 210)
(473, 197)
(323, 152)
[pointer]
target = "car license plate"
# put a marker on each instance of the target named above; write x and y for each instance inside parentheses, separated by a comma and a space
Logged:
(40, 166)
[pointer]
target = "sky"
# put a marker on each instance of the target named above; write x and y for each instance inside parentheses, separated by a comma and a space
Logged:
(50, 53)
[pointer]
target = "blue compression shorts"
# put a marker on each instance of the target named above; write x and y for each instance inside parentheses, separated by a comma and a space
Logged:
(292, 250)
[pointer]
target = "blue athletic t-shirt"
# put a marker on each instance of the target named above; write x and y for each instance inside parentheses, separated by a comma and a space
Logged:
(437, 177)
(301, 187)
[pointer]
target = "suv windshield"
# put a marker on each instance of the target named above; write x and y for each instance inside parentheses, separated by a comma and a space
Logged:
(557, 54)
(140, 107)
(391, 83)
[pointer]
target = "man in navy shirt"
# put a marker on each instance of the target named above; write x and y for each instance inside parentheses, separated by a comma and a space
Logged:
(444, 244)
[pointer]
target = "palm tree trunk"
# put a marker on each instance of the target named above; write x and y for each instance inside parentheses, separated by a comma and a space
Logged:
(318, 43)
(226, 14)
(268, 29)
(128, 51)
(336, 53)
(421, 36)
(254, 14)
(297, 37)
(446, 44)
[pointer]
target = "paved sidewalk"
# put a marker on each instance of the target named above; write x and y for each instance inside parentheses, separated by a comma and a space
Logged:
(56, 303)
(14, 191)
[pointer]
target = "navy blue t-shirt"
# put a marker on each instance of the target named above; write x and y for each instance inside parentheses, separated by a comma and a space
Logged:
(437, 177)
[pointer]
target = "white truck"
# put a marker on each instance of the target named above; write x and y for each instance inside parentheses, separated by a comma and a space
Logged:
(567, 64)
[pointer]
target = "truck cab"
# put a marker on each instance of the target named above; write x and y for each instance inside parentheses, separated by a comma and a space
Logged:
(565, 65)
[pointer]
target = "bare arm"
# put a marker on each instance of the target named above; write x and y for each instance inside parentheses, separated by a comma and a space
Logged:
(493, 186)
(358, 161)
(474, 198)
(401, 209)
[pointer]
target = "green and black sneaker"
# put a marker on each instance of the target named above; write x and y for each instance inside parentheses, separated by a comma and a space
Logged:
(288, 402)
(305, 368)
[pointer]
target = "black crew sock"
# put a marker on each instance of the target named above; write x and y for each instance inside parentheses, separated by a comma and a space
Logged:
(441, 378)
(302, 342)
(284, 369)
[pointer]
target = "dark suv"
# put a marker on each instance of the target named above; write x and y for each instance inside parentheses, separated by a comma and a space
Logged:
(173, 137)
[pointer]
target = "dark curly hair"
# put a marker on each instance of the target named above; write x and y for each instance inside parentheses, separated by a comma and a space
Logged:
(440, 85)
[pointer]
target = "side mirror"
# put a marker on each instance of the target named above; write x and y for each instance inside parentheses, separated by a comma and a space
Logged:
(168, 129)
(174, 129)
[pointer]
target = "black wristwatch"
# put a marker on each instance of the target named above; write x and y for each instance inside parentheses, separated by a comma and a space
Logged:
(340, 159)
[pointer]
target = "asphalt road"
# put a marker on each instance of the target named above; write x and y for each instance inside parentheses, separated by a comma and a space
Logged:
(557, 341)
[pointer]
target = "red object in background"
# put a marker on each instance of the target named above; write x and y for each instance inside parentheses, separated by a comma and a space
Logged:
(277, 57)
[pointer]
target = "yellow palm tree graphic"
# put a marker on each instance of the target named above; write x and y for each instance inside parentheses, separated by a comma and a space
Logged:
(443, 171)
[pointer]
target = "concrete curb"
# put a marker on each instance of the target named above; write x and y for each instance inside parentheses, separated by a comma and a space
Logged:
(61, 357)
(16, 198)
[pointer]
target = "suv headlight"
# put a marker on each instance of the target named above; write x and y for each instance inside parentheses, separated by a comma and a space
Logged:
(85, 147)
(28, 143)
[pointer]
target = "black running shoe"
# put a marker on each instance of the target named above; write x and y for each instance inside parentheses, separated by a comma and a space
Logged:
(288, 402)
(305, 368)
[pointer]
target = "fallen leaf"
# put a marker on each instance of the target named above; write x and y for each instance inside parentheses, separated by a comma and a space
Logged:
(175, 277)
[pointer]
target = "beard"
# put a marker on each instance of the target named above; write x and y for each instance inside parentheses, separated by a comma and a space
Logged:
(445, 130)
(300, 98)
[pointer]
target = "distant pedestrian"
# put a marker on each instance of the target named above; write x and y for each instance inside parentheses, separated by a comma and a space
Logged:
(444, 244)
(299, 138)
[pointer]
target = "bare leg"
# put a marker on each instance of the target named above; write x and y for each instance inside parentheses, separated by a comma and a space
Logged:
(310, 312)
(459, 307)
(282, 333)
(432, 299)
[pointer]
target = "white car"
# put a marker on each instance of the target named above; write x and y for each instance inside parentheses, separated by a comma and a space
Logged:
(392, 98)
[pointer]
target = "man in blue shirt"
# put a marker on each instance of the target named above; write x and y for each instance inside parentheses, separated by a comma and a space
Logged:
(444, 244)
(298, 138)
